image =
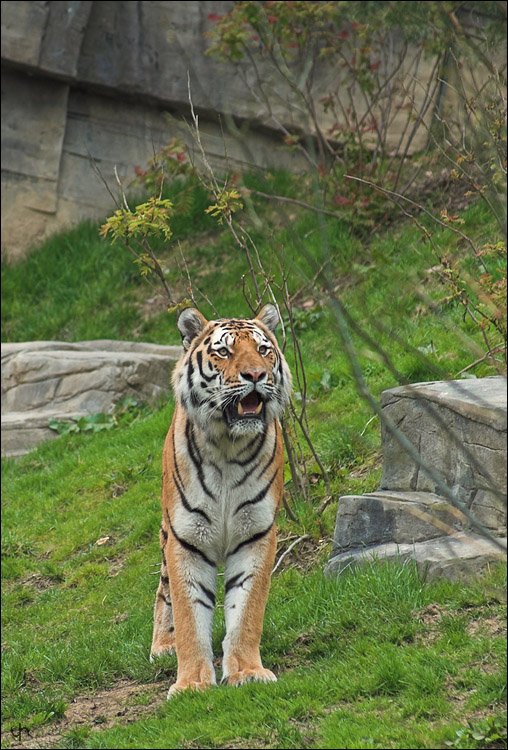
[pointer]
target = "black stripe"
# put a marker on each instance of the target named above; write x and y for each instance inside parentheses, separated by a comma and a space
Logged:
(200, 601)
(256, 466)
(281, 372)
(190, 547)
(250, 443)
(195, 400)
(165, 580)
(208, 593)
(251, 539)
(165, 600)
(260, 496)
(261, 438)
(246, 475)
(208, 378)
(176, 462)
(185, 502)
(195, 455)
(235, 583)
(271, 457)
(164, 534)
(190, 372)
(232, 582)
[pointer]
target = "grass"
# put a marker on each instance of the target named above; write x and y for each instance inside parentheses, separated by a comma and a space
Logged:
(375, 658)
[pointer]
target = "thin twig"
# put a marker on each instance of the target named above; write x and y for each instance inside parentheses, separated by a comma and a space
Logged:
(297, 202)
(393, 195)
(286, 552)
(488, 355)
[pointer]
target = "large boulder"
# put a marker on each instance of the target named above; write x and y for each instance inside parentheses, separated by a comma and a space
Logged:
(458, 430)
(46, 380)
(458, 556)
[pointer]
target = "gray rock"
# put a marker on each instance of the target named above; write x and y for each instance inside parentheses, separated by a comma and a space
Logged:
(459, 430)
(43, 380)
(63, 34)
(45, 35)
(22, 31)
(458, 556)
(390, 516)
(23, 431)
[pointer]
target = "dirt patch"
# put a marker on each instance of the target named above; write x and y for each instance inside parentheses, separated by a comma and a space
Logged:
(479, 624)
(40, 582)
(438, 187)
(430, 616)
(99, 711)
(488, 626)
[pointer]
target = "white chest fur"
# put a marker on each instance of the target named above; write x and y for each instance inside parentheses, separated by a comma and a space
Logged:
(228, 491)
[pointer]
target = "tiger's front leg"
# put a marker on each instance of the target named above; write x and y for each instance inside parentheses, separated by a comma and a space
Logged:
(247, 582)
(193, 584)
(163, 639)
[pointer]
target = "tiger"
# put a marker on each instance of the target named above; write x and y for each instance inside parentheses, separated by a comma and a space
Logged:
(222, 488)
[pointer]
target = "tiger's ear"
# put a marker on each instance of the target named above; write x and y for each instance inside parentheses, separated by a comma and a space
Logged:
(190, 324)
(269, 316)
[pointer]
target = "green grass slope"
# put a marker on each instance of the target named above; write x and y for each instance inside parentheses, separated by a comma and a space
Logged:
(376, 658)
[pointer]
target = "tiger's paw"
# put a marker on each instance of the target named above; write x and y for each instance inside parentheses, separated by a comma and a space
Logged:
(159, 649)
(179, 687)
(257, 674)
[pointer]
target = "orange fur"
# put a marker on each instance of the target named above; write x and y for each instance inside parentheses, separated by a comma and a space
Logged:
(223, 477)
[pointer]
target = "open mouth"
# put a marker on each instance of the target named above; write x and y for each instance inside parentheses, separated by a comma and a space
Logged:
(250, 407)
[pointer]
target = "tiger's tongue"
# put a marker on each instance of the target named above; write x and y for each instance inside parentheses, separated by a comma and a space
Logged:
(251, 404)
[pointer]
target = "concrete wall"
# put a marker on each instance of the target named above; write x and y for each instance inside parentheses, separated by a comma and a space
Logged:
(93, 80)
(84, 80)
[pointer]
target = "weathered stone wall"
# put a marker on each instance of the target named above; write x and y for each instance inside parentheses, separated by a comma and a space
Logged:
(94, 79)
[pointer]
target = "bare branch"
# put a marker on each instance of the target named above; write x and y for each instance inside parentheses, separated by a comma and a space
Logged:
(286, 552)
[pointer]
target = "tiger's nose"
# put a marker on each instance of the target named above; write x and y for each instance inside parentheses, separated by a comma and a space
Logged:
(253, 375)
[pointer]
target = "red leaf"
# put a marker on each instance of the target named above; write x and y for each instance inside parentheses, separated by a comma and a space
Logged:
(341, 200)
(272, 19)
(344, 34)
(214, 17)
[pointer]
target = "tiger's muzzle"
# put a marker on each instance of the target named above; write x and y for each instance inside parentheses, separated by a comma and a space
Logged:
(249, 408)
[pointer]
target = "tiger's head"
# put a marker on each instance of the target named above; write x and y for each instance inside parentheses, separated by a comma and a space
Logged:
(232, 378)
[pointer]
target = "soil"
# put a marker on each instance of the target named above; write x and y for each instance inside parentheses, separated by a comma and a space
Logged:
(99, 711)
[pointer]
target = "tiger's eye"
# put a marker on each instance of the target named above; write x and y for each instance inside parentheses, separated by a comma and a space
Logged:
(263, 350)
(223, 352)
